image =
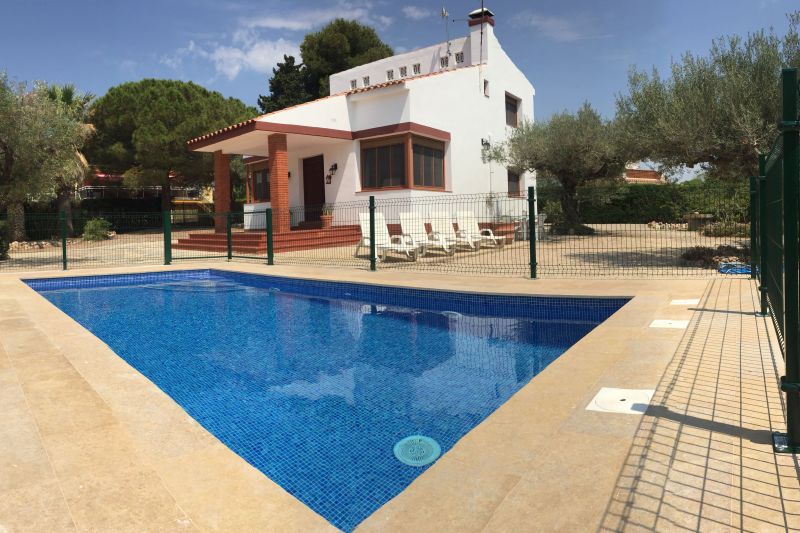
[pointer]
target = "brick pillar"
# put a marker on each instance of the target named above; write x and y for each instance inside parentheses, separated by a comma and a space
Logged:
(279, 181)
(222, 189)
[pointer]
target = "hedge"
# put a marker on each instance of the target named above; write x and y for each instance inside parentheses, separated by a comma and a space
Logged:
(643, 203)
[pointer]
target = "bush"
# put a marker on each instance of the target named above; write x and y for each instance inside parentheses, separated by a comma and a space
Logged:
(707, 257)
(4, 240)
(96, 229)
(726, 229)
(553, 212)
(562, 228)
(643, 203)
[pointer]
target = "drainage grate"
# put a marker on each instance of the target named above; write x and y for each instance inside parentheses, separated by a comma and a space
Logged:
(417, 450)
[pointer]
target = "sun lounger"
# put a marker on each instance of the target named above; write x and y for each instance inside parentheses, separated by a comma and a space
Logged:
(469, 229)
(384, 243)
(442, 224)
(413, 225)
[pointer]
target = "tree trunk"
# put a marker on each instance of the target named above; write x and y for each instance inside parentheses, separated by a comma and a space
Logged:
(16, 221)
(166, 196)
(65, 206)
(569, 204)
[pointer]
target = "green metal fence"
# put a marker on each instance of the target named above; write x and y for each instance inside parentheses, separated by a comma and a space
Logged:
(668, 231)
(776, 247)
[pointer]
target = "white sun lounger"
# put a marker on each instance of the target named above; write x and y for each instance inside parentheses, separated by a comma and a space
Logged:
(384, 243)
(442, 224)
(468, 227)
(412, 224)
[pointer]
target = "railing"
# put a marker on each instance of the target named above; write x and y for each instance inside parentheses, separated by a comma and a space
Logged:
(776, 204)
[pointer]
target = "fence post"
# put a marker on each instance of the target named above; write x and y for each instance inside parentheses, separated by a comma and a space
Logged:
(229, 237)
(532, 230)
(167, 225)
(372, 233)
(790, 383)
(755, 246)
(62, 224)
(268, 225)
(762, 231)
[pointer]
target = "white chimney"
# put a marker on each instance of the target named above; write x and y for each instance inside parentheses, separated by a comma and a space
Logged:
(481, 29)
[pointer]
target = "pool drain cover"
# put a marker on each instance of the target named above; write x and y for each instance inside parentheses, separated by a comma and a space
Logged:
(417, 450)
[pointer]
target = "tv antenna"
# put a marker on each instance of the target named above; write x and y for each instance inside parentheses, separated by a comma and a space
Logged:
(446, 17)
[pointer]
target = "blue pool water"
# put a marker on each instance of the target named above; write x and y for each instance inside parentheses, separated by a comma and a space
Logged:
(314, 383)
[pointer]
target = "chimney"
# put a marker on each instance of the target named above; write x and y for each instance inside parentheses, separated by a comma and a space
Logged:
(481, 30)
(479, 16)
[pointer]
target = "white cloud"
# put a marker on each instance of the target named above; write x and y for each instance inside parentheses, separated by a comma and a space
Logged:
(259, 56)
(416, 12)
(259, 43)
(558, 29)
(307, 19)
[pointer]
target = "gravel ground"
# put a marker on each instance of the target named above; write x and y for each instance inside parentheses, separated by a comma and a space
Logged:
(630, 250)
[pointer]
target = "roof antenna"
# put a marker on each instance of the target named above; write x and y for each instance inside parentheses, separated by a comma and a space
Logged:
(446, 17)
(480, 64)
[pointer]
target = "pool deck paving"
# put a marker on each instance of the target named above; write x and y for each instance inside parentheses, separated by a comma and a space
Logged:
(89, 444)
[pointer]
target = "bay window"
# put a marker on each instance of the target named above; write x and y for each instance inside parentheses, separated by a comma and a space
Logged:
(402, 162)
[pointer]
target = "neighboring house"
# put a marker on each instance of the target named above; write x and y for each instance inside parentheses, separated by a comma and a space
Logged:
(641, 175)
(411, 125)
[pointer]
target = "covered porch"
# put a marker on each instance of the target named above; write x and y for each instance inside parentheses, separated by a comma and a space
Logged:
(289, 170)
(270, 182)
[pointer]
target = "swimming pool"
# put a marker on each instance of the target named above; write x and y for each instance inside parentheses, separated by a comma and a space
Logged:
(314, 382)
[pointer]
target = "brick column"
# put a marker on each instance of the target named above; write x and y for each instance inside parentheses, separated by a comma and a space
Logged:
(279, 182)
(222, 189)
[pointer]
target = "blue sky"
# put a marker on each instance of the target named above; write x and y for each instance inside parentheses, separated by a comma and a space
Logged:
(571, 50)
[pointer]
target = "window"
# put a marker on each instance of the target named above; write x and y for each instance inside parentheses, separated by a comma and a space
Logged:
(403, 72)
(390, 74)
(261, 185)
(402, 161)
(514, 183)
(365, 79)
(459, 57)
(417, 68)
(353, 84)
(383, 164)
(486, 88)
(444, 61)
(428, 163)
(512, 111)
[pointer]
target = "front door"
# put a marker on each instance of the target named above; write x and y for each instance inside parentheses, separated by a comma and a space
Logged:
(313, 187)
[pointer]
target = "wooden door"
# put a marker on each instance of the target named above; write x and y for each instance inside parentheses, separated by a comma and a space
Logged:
(313, 187)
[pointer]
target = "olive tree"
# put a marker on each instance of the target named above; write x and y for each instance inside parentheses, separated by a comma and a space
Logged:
(570, 149)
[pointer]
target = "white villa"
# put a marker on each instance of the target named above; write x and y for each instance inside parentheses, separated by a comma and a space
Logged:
(410, 125)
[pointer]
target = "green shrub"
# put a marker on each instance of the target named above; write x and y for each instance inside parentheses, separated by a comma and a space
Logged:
(4, 240)
(726, 229)
(553, 212)
(96, 229)
(707, 257)
(562, 228)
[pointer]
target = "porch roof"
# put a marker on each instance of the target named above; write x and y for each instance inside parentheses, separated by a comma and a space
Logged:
(250, 137)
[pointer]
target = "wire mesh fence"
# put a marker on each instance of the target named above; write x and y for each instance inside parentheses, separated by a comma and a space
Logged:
(616, 230)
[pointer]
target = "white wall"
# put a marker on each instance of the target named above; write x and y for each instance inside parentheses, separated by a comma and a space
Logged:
(427, 57)
(453, 101)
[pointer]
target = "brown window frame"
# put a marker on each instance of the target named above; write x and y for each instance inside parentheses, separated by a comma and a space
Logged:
(511, 98)
(408, 140)
(514, 193)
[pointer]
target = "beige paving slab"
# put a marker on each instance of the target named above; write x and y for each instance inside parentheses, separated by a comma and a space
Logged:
(138, 462)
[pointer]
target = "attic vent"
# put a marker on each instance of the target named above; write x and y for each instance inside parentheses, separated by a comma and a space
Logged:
(417, 68)
(485, 87)
(353, 84)
(403, 72)
(365, 79)
(390, 75)
(459, 57)
(444, 61)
